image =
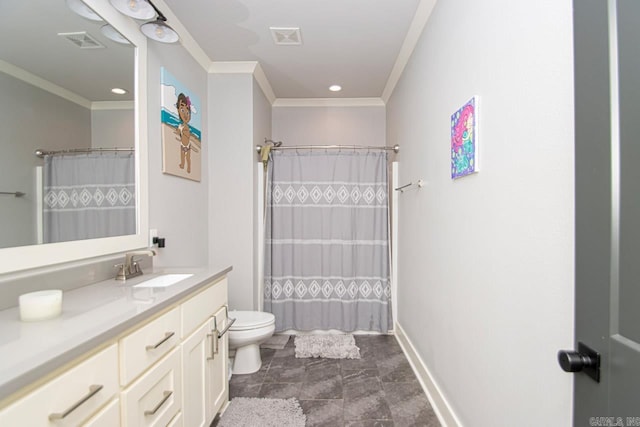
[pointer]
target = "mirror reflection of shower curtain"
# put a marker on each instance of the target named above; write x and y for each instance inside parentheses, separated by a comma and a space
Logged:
(326, 258)
(88, 196)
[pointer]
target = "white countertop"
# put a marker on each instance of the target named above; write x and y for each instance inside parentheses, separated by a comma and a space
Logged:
(91, 315)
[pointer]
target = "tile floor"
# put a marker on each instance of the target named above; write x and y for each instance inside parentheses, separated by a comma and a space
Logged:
(380, 389)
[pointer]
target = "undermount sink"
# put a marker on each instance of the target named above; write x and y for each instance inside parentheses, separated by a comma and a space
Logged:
(163, 281)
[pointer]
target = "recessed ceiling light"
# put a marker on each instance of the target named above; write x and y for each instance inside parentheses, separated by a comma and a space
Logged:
(335, 88)
(118, 91)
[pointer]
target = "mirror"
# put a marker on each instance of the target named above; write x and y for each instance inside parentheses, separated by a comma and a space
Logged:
(57, 70)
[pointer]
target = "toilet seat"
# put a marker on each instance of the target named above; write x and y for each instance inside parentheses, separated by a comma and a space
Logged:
(246, 320)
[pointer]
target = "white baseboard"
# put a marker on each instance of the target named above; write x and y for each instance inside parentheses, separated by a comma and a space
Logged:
(440, 405)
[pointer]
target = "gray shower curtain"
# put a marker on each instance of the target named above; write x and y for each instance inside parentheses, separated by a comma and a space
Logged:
(327, 241)
(89, 196)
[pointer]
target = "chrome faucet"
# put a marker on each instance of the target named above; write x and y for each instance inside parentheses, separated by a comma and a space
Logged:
(131, 268)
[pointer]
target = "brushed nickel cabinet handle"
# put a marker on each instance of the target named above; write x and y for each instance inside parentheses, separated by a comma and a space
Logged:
(93, 390)
(167, 336)
(167, 395)
(214, 343)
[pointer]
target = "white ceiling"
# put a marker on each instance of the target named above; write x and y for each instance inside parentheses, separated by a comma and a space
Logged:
(353, 43)
(28, 30)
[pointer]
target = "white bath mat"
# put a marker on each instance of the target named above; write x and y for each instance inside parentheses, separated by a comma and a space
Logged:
(327, 346)
(276, 342)
(253, 411)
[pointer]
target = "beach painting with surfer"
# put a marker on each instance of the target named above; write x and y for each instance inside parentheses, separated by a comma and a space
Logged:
(181, 129)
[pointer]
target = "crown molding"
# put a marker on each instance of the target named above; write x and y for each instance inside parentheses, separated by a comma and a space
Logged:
(112, 105)
(43, 84)
(232, 67)
(245, 67)
(328, 102)
(423, 12)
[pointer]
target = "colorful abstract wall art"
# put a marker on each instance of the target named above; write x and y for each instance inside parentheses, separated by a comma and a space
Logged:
(181, 129)
(464, 140)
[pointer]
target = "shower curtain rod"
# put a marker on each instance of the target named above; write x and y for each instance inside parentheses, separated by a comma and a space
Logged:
(395, 148)
(41, 153)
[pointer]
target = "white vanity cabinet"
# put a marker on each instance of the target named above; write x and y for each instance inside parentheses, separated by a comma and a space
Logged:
(170, 370)
(70, 398)
(204, 357)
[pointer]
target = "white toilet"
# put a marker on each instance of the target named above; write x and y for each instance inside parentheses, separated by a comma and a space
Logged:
(250, 329)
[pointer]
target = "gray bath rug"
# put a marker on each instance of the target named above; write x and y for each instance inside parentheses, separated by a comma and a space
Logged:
(327, 346)
(276, 342)
(253, 411)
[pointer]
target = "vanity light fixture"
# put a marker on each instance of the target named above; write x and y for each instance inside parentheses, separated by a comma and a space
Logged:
(335, 88)
(112, 34)
(138, 9)
(83, 10)
(118, 91)
(157, 30)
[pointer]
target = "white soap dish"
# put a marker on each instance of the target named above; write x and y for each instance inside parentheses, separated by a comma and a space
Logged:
(40, 305)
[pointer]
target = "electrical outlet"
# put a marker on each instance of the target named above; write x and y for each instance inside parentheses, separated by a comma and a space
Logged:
(152, 233)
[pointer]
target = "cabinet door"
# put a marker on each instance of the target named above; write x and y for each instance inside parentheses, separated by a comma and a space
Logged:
(217, 368)
(195, 351)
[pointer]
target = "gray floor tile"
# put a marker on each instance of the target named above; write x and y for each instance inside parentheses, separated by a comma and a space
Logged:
(411, 422)
(395, 368)
(317, 369)
(325, 388)
(372, 423)
(367, 406)
(409, 403)
(323, 413)
(280, 390)
(285, 374)
(244, 390)
(378, 390)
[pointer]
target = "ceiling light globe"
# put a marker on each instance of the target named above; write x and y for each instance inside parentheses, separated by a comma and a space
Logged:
(159, 31)
(335, 88)
(138, 9)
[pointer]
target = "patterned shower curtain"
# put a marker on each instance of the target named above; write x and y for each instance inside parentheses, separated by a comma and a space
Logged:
(88, 196)
(327, 241)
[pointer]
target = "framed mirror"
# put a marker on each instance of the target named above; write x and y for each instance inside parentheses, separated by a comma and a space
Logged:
(57, 70)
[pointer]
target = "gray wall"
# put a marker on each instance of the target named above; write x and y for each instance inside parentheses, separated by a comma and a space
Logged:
(485, 263)
(178, 207)
(31, 118)
(262, 122)
(113, 128)
(231, 196)
(329, 125)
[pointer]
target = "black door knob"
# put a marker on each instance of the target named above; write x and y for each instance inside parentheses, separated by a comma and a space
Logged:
(584, 360)
(572, 361)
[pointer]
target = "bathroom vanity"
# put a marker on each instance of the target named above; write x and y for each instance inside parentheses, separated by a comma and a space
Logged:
(125, 354)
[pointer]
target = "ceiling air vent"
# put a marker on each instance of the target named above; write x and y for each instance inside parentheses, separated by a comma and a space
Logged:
(286, 36)
(82, 40)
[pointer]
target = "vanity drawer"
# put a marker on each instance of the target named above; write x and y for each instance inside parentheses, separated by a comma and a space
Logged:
(155, 398)
(145, 346)
(202, 306)
(109, 416)
(70, 398)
